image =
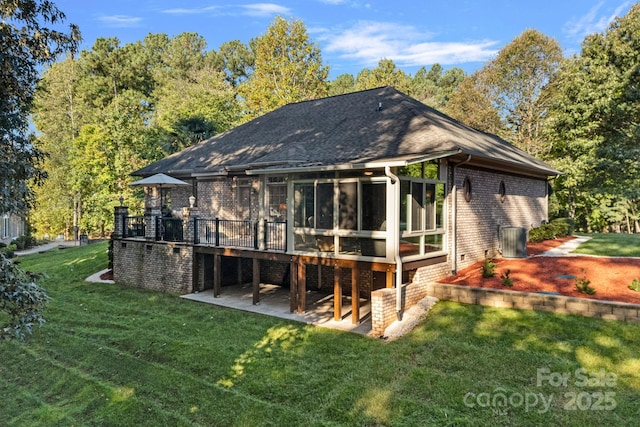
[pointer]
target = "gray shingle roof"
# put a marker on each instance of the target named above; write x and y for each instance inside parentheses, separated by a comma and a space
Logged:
(357, 128)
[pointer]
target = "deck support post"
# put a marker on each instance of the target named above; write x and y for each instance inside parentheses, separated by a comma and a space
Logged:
(337, 294)
(256, 281)
(302, 287)
(217, 267)
(293, 289)
(355, 296)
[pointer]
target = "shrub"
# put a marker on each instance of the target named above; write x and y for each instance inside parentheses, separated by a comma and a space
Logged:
(25, 242)
(582, 285)
(9, 251)
(559, 227)
(506, 280)
(635, 285)
(568, 225)
(488, 268)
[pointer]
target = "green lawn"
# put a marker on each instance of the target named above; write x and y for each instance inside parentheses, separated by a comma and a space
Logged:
(111, 355)
(626, 245)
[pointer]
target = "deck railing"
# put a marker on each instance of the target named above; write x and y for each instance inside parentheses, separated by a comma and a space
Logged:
(240, 233)
(134, 226)
(170, 229)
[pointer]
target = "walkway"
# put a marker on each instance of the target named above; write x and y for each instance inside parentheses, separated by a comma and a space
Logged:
(567, 248)
(47, 247)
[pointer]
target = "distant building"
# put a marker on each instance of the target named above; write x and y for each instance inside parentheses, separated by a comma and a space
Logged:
(11, 227)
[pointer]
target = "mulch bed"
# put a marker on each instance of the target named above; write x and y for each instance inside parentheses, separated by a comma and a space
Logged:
(107, 275)
(610, 277)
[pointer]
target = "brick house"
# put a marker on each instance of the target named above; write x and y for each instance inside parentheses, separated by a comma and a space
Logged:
(11, 227)
(369, 195)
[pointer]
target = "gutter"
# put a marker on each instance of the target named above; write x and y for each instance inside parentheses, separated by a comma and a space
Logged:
(396, 247)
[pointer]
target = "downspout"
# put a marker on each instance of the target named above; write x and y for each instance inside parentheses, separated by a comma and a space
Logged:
(396, 247)
(454, 214)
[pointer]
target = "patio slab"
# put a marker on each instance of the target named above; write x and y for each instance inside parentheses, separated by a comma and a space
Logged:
(274, 301)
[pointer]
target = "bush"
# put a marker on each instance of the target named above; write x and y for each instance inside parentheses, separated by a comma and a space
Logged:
(582, 285)
(635, 285)
(559, 227)
(9, 251)
(506, 280)
(488, 268)
(25, 242)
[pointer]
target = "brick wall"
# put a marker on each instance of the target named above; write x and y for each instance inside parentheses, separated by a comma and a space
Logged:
(163, 267)
(481, 220)
(535, 301)
(219, 198)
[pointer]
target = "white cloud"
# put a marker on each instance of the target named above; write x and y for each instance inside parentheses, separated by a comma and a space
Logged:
(369, 42)
(265, 9)
(120, 21)
(193, 11)
(593, 21)
(250, 9)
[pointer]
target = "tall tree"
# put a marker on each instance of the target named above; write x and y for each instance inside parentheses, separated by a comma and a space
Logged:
(471, 104)
(58, 117)
(595, 130)
(288, 68)
(27, 41)
(517, 78)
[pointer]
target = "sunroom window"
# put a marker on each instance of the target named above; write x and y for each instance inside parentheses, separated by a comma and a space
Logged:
(422, 197)
(345, 216)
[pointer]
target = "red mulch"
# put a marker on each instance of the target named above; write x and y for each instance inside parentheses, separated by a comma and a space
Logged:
(610, 277)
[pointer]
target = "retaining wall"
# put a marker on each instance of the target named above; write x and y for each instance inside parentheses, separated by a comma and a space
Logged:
(536, 301)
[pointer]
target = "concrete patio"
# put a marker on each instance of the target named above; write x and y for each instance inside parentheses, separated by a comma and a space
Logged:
(274, 301)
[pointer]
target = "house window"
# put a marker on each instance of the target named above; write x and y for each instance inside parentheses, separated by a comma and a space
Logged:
(6, 224)
(243, 199)
(277, 199)
(421, 205)
(421, 216)
(502, 191)
(346, 216)
(467, 189)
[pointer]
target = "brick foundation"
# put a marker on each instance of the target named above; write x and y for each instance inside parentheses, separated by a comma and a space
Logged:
(166, 267)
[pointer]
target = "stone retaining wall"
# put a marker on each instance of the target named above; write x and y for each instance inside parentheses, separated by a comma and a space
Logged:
(536, 301)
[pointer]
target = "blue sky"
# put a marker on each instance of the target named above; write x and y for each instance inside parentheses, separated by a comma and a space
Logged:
(354, 34)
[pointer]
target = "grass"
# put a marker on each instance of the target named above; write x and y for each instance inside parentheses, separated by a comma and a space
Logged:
(610, 244)
(111, 355)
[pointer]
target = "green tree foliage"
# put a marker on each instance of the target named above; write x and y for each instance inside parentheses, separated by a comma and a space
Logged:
(344, 83)
(471, 104)
(288, 68)
(435, 87)
(21, 301)
(595, 130)
(385, 74)
(27, 42)
(513, 84)
(58, 116)
(116, 108)
(517, 78)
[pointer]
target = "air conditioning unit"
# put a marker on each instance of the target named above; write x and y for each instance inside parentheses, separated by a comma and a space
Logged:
(514, 242)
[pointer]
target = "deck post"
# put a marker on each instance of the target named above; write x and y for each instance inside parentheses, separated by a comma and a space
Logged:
(355, 295)
(337, 294)
(302, 287)
(293, 288)
(256, 281)
(389, 276)
(217, 259)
